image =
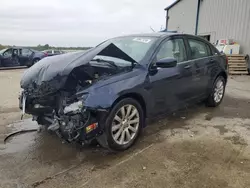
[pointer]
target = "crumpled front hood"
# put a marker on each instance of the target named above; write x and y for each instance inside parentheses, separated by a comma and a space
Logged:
(57, 68)
(47, 69)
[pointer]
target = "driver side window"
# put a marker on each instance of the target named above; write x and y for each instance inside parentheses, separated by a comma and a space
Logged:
(26, 52)
(173, 48)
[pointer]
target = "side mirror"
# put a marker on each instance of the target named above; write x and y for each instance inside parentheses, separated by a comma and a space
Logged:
(166, 63)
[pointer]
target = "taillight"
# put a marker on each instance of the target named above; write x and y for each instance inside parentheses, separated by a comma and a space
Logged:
(45, 53)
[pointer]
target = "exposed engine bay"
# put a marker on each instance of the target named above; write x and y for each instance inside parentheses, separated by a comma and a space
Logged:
(82, 77)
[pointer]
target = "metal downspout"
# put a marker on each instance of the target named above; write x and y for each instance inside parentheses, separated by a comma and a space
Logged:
(197, 17)
(167, 20)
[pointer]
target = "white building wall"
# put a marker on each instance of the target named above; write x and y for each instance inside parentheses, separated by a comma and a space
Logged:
(222, 19)
(182, 16)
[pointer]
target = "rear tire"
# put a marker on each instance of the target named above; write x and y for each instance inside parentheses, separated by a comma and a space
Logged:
(123, 125)
(33, 62)
(217, 94)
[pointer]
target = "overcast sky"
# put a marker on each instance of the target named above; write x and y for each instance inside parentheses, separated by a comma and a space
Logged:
(77, 22)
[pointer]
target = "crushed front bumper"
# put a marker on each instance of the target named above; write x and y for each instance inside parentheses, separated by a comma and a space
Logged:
(67, 125)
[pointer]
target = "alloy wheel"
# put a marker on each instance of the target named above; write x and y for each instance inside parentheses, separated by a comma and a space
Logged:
(218, 91)
(125, 124)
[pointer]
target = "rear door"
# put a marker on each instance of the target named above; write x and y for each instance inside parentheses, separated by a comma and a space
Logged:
(25, 56)
(201, 56)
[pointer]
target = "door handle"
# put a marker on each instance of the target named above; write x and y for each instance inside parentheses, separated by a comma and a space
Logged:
(210, 61)
(187, 67)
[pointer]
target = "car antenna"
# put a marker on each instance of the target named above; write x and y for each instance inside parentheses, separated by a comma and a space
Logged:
(152, 29)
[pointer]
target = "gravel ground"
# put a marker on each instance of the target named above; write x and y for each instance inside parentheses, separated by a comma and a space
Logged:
(193, 148)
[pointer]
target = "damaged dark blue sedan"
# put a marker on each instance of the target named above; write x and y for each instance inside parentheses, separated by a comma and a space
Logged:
(107, 92)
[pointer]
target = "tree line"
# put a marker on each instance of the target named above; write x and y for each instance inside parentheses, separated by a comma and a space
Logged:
(47, 46)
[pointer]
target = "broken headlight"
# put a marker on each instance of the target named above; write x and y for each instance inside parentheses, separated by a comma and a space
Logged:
(76, 106)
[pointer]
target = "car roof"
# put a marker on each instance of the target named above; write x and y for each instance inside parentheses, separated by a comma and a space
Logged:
(55, 49)
(16, 47)
(155, 34)
(159, 35)
(166, 34)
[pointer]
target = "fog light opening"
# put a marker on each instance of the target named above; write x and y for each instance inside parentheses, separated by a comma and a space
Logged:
(91, 127)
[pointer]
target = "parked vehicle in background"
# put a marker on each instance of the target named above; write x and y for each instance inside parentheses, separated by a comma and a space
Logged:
(18, 56)
(53, 52)
(107, 92)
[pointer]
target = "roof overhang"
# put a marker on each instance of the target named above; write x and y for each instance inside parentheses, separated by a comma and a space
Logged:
(173, 4)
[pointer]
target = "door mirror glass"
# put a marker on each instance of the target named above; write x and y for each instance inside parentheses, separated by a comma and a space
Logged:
(166, 62)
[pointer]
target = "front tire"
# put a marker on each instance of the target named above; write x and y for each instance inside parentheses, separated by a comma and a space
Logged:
(123, 124)
(217, 94)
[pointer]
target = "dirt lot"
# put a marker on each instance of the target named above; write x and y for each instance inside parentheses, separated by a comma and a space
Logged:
(193, 148)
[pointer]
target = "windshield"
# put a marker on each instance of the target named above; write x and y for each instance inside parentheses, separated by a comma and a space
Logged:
(135, 47)
(3, 50)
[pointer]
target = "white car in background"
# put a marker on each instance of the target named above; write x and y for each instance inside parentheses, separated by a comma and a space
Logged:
(53, 52)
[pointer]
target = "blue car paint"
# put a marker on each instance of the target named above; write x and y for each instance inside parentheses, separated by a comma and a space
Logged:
(102, 96)
(38, 55)
(164, 89)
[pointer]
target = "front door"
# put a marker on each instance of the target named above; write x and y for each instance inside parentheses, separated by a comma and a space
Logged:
(15, 57)
(170, 86)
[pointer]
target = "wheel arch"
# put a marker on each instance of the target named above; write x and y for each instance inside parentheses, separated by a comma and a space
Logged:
(36, 58)
(138, 97)
(210, 100)
(223, 74)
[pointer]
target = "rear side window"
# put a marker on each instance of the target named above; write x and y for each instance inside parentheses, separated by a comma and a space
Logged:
(199, 49)
(26, 52)
(173, 48)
